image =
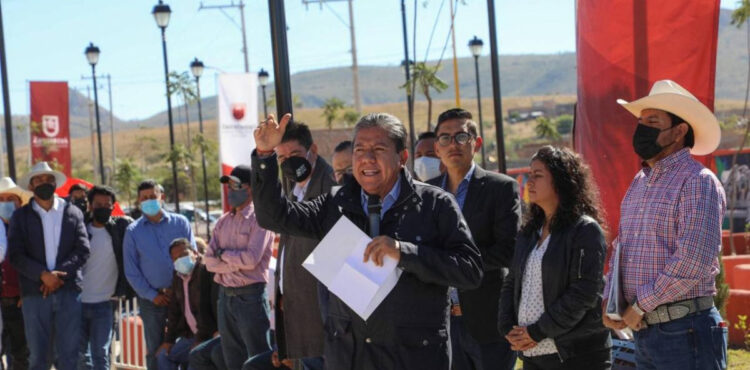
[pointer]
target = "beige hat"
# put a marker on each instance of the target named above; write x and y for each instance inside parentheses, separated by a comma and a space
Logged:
(8, 186)
(42, 168)
(668, 96)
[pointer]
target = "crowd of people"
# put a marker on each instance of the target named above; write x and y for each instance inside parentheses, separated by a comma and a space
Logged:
(484, 278)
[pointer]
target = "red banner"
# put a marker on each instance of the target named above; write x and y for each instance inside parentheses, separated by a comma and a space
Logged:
(50, 133)
(623, 47)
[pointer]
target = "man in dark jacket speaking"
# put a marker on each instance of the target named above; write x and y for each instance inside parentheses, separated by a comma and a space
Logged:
(420, 226)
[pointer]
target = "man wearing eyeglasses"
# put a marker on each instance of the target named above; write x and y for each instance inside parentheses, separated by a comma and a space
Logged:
(491, 204)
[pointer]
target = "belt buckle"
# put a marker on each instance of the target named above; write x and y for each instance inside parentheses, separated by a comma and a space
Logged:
(678, 311)
(663, 313)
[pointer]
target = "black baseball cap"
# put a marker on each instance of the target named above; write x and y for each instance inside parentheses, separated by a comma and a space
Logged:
(240, 174)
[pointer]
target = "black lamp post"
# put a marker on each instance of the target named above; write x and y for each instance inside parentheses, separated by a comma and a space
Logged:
(161, 14)
(406, 67)
(92, 54)
(475, 45)
(263, 80)
(196, 67)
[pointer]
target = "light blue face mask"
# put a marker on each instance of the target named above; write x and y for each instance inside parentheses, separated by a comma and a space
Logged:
(184, 265)
(6, 210)
(151, 207)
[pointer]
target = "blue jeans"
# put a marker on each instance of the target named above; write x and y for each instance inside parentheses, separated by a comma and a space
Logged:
(178, 355)
(693, 342)
(243, 324)
(96, 335)
(154, 321)
(208, 356)
(60, 315)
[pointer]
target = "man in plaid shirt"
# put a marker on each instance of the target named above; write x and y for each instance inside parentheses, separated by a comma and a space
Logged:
(670, 235)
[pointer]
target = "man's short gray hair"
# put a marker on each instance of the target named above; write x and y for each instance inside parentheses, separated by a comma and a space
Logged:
(388, 122)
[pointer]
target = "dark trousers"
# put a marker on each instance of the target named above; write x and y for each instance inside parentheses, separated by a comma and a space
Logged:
(466, 354)
(53, 322)
(14, 338)
(599, 360)
(208, 356)
(498, 355)
(243, 323)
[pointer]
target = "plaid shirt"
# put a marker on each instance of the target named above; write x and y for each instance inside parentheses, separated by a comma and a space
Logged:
(670, 232)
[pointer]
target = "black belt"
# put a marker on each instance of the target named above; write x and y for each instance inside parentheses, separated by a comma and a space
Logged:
(677, 310)
(247, 289)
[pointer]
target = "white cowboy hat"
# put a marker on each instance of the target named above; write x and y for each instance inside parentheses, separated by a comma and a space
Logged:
(8, 186)
(42, 168)
(668, 96)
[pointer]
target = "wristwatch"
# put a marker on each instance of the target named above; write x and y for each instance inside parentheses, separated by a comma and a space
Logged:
(637, 309)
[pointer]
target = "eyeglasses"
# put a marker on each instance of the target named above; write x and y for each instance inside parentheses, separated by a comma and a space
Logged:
(460, 138)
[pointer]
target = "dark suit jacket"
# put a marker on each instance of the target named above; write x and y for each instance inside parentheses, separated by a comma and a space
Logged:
(299, 327)
(409, 329)
(493, 211)
(204, 293)
(26, 247)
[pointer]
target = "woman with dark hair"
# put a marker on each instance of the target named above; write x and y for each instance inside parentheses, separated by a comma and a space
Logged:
(550, 307)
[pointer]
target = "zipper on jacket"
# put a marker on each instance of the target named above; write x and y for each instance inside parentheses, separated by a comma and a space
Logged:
(580, 263)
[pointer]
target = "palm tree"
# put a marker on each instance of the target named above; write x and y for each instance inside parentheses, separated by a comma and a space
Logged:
(331, 108)
(424, 77)
(184, 86)
(739, 17)
(545, 128)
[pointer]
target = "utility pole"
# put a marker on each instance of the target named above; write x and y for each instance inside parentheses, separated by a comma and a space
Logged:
(282, 83)
(496, 95)
(455, 61)
(355, 65)
(241, 7)
(6, 104)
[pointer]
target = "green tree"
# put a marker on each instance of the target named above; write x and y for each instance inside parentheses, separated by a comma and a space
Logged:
(546, 129)
(564, 124)
(181, 84)
(351, 117)
(126, 175)
(331, 108)
(424, 77)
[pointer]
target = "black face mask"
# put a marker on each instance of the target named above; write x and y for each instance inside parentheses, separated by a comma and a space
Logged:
(296, 168)
(347, 178)
(644, 141)
(44, 191)
(82, 204)
(102, 214)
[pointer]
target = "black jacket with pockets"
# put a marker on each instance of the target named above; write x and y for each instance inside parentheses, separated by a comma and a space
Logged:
(409, 329)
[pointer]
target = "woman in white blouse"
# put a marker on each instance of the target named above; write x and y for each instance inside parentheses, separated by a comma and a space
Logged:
(550, 307)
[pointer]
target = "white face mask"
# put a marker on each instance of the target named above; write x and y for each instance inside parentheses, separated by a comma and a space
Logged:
(427, 168)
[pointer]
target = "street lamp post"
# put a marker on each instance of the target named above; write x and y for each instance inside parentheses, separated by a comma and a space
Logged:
(263, 80)
(92, 54)
(161, 14)
(196, 67)
(475, 45)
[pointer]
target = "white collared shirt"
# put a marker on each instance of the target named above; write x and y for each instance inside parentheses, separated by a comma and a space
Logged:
(51, 226)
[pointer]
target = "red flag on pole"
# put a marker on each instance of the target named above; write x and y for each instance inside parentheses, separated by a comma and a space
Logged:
(623, 47)
(50, 134)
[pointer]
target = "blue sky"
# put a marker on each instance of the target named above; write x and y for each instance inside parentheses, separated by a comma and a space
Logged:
(45, 39)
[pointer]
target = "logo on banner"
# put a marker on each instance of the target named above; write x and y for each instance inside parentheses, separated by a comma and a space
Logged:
(238, 110)
(50, 126)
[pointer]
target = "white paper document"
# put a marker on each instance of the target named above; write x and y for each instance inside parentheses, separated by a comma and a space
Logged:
(337, 262)
(616, 303)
